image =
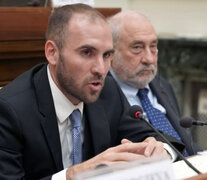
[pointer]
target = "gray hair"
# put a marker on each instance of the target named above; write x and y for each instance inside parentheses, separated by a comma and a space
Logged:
(115, 22)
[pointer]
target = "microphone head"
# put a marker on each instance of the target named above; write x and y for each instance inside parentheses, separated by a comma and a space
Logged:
(186, 122)
(135, 111)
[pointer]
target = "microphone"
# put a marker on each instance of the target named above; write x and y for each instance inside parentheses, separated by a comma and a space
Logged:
(137, 113)
(188, 122)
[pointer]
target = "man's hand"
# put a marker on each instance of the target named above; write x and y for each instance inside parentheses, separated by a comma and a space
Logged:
(153, 147)
(125, 152)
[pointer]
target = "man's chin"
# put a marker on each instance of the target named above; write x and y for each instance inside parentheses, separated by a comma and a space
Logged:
(92, 98)
(141, 83)
(89, 101)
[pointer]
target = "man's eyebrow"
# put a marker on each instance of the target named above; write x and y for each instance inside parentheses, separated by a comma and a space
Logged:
(87, 47)
(137, 42)
(142, 42)
(110, 51)
(155, 41)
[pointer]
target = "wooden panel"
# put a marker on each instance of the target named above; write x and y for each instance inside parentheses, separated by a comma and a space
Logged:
(23, 23)
(107, 12)
(9, 69)
(22, 38)
(30, 23)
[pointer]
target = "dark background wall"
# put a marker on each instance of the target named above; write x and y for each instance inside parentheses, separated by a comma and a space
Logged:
(21, 3)
(184, 63)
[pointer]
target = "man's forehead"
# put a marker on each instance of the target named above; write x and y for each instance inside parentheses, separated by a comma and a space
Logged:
(90, 35)
(142, 39)
(138, 33)
(85, 18)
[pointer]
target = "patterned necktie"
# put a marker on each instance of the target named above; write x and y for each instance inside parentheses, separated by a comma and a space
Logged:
(156, 117)
(75, 119)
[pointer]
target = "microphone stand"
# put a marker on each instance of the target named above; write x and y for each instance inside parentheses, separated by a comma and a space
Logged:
(140, 116)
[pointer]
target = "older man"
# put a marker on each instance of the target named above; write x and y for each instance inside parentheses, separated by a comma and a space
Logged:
(135, 69)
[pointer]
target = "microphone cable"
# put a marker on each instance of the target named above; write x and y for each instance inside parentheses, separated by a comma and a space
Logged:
(137, 113)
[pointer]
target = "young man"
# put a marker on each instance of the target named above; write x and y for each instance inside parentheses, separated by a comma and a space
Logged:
(37, 110)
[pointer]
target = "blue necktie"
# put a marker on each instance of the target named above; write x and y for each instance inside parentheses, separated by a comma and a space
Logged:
(75, 119)
(156, 117)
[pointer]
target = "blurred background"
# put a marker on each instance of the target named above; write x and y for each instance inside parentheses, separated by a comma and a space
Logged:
(181, 26)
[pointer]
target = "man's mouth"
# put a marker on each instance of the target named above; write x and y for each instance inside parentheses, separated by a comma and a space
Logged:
(96, 85)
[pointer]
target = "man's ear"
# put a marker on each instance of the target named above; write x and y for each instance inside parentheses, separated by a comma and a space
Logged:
(51, 52)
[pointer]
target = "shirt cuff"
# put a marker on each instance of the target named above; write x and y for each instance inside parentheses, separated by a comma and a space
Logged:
(60, 175)
(171, 152)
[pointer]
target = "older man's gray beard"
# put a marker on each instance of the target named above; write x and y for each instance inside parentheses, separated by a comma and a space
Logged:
(141, 81)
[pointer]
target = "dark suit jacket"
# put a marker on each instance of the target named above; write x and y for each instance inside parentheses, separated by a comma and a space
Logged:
(166, 97)
(29, 138)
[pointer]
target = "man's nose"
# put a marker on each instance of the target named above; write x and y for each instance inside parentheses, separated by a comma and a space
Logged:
(99, 66)
(148, 56)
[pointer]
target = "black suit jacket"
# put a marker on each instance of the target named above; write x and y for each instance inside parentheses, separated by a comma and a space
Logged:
(29, 138)
(166, 97)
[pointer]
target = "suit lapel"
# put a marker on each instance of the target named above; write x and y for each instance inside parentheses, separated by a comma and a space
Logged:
(163, 98)
(160, 92)
(97, 132)
(49, 120)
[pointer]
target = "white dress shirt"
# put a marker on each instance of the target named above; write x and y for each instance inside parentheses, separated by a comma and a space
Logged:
(131, 95)
(63, 108)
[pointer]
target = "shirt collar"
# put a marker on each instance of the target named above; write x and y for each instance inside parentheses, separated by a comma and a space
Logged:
(131, 94)
(63, 107)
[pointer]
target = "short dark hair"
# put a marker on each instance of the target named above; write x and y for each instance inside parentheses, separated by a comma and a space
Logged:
(60, 18)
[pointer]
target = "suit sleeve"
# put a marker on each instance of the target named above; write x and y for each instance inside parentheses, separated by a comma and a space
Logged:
(11, 149)
(11, 145)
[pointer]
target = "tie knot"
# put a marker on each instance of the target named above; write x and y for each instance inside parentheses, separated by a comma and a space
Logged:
(75, 118)
(143, 92)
